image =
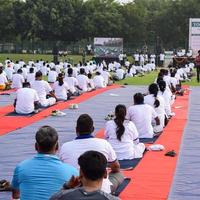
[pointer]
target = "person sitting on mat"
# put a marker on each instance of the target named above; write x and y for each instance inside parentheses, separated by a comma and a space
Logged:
(158, 103)
(3, 80)
(43, 88)
(17, 80)
(142, 116)
(61, 88)
(42, 176)
(85, 141)
(99, 80)
(88, 185)
(83, 81)
(123, 136)
(26, 99)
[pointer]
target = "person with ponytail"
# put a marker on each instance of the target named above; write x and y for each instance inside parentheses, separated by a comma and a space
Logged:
(61, 88)
(164, 92)
(158, 103)
(123, 136)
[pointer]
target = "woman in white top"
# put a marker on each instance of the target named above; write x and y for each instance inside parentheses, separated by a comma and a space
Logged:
(61, 88)
(167, 97)
(158, 103)
(123, 136)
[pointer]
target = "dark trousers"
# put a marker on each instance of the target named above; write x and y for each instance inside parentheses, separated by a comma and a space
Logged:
(198, 73)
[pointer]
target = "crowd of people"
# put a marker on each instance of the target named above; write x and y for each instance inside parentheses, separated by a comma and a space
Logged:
(80, 169)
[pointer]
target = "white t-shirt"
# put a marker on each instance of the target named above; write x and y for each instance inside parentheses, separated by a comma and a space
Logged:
(174, 81)
(162, 57)
(106, 76)
(142, 116)
(61, 91)
(128, 147)
(30, 77)
(72, 83)
(70, 151)
(17, 81)
(25, 100)
(136, 57)
(99, 81)
(52, 76)
(120, 73)
(43, 88)
(168, 98)
(3, 79)
(83, 82)
(9, 72)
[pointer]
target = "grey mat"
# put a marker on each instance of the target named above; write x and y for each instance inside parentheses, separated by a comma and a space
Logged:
(7, 99)
(19, 145)
(186, 183)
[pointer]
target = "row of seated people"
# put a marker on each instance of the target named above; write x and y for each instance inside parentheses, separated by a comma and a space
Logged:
(142, 120)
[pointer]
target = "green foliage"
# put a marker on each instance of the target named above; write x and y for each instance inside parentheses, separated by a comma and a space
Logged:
(139, 22)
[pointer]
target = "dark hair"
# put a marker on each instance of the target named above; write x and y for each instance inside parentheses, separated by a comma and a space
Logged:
(26, 84)
(1, 70)
(38, 74)
(89, 75)
(120, 113)
(19, 71)
(162, 85)
(153, 89)
(84, 124)
(60, 79)
(46, 138)
(138, 98)
(93, 165)
(159, 79)
(82, 71)
(31, 70)
(70, 71)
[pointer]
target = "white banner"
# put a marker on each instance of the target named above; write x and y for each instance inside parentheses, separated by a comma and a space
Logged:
(194, 35)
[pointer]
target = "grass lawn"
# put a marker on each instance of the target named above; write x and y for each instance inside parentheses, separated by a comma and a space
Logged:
(144, 80)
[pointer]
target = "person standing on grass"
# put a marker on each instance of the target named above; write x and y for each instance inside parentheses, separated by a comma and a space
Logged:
(197, 65)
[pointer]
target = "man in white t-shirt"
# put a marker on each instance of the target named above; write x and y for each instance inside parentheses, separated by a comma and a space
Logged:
(31, 75)
(17, 80)
(142, 116)
(43, 89)
(120, 73)
(26, 99)
(99, 81)
(136, 58)
(52, 76)
(3, 80)
(70, 151)
(162, 58)
(9, 71)
(106, 75)
(83, 80)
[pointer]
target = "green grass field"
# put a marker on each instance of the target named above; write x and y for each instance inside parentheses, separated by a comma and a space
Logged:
(144, 80)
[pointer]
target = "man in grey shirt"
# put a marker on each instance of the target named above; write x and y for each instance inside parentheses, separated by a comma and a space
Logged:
(87, 186)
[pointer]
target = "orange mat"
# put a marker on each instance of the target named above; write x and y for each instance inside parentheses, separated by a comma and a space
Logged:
(152, 178)
(11, 123)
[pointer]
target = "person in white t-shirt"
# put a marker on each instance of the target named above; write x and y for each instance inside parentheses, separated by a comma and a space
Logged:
(9, 71)
(31, 75)
(162, 59)
(158, 103)
(106, 75)
(99, 80)
(17, 80)
(83, 81)
(70, 151)
(61, 88)
(120, 73)
(91, 82)
(142, 115)
(26, 99)
(43, 88)
(72, 82)
(3, 80)
(136, 58)
(123, 136)
(52, 75)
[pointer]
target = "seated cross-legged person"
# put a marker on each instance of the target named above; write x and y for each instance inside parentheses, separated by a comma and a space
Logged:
(158, 103)
(99, 80)
(43, 175)
(70, 151)
(3, 80)
(83, 81)
(123, 136)
(43, 88)
(61, 88)
(17, 80)
(142, 116)
(26, 99)
(88, 185)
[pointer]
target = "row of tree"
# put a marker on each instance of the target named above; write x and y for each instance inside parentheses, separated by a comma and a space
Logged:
(139, 22)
